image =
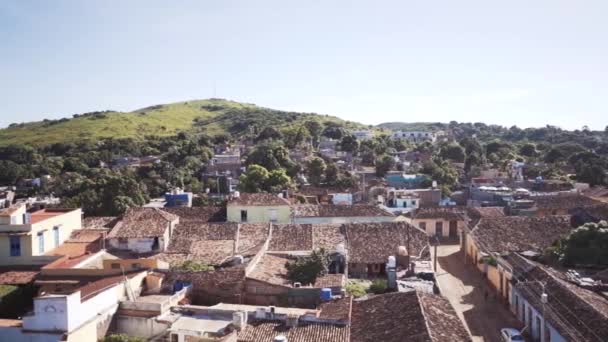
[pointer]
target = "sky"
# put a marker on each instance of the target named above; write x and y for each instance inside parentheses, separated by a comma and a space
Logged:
(524, 63)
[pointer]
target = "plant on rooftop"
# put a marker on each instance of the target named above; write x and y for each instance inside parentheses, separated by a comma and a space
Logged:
(378, 286)
(356, 289)
(193, 266)
(307, 269)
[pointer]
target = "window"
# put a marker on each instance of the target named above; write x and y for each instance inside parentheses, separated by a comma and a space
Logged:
(414, 203)
(56, 235)
(15, 242)
(272, 213)
(115, 266)
(243, 215)
(41, 243)
(439, 228)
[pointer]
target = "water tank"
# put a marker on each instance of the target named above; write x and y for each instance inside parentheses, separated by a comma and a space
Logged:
(392, 261)
(402, 251)
(340, 249)
(325, 294)
(280, 338)
(237, 194)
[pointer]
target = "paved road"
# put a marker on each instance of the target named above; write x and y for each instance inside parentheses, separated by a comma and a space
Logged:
(465, 288)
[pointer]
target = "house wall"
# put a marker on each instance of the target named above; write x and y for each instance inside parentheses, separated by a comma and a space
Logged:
(529, 316)
(338, 220)
(67, 222)
(144, 327)
(261, 293)
(17, 334)
(139, 245)
(258, 214)
(431, 224)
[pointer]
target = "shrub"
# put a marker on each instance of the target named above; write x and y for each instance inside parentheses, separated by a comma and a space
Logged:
(193, 266)
(306, 269)
(121, 338)
(356, 290)
(378, 286)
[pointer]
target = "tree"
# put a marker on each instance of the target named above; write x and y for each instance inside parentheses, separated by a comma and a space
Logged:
(255, 179)
(121, 338)
(331, 174)
(269, 133)
(278, 180)
(315, 129)
(453, 152)
(384, 164)
(528, 150)
(10, 172)
(349, 144)
(315, 170)
(307, 269)
(586, 245)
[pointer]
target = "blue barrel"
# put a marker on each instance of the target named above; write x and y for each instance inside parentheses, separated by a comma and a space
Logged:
(325, 294)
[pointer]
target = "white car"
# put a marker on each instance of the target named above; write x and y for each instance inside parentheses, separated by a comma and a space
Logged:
(511, 335)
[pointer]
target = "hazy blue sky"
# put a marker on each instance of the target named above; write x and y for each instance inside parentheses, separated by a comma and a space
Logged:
(529, 63)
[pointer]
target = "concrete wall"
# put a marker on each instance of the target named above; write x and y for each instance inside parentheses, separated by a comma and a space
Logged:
(144, 327)
(16, 334)
(258, 214)
(532, 317)
(431, 225)
(66, 223)
(139, 245)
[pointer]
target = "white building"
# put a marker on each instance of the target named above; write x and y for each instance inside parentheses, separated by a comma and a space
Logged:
(363, 134)
(415, 136)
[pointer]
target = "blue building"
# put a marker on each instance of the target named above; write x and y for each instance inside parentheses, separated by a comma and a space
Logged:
(178, 198)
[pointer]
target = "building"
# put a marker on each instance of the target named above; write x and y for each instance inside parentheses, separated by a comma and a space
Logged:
(363, 134)
(401, 200)
(142, 230)
(443, 222)
(492, 237)
(558, 306)
(258, 207)
(178, 198)
(415, 136)
(369, 245)
(406, 316)
(404, 181)
(25, 237)
(561, 203)
(320, 214)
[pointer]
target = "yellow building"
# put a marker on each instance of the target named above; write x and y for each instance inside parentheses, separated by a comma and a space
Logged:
(443, 222)
(26, 237)
(258, 208)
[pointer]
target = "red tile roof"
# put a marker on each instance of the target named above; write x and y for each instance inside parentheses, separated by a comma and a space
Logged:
(291, 237)
(17, 275)
(199, 214)
(142, 223)
(266, 331)
(329, 210)
(258, 199)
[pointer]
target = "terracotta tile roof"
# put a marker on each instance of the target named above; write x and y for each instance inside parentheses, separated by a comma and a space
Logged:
(266, 331)
(375, 242)
(86, 235)
(44, 214)
(199, 214)
(291, 237)
(142, 223)
(258, 199)
(320, 191)
(578, 314)
(212, 243)
(271, 269)
(99, 222)
(330, 280)
(443, 323)
(330, 210)
(563, 201)
(18, 275)
(87, 285)
(251, 237)
(337, 309)
(477, 213)
(446, 213)
(327, 236)
(519, 234)
(11, 210)
(383, 318)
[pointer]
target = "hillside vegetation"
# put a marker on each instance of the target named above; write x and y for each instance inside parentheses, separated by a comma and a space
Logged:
(212, 116)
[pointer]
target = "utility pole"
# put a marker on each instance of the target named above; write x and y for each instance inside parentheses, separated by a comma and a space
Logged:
(435, 251)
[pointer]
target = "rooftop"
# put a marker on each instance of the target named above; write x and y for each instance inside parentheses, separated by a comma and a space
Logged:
(446, 213)
(563, 201)
(44, 214)
(375, 242)
(142, 223)
(258, 199)
(212, 243)
(329, 210)
(266, 331)
(519, 234)
(291, 237)
(199, 214)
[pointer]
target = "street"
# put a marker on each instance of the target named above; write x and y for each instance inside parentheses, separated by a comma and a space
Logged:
(465, 288)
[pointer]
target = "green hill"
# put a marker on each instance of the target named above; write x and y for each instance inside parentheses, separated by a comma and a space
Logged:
(212, 116)
(412, 126)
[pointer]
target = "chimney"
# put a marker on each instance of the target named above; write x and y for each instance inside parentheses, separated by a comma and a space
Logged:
(292, 321)
(391, 272)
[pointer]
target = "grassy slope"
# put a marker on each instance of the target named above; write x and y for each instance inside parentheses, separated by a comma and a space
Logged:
(167, 120)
